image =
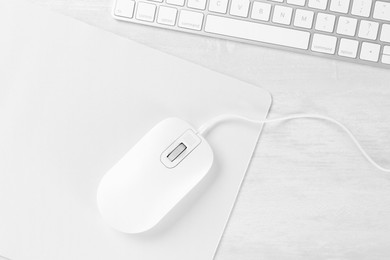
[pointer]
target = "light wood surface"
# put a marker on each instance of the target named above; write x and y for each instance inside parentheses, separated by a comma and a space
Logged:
(309, 194)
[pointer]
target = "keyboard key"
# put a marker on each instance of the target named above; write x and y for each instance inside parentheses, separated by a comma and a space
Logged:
(368, 30)
(324, 43)
(340, 6)
(386, 55)
(296, 2)
(348, 48)
(325, 22)
(197, 4)
(382, 10)
(361, 7)
(303, 18)
(282, 14)
(239, 8)
(257, 32)
(176, 2)
(370, 51)
(318, 4)
(167, 15)
(218, 6)
(261, 11)
(191, 20)
(385, 59)
(346, 26)
(145, 12)
(385, 33)
(124, 8)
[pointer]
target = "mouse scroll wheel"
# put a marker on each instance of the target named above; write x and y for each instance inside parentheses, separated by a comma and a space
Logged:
(180, 149)
(176, 152)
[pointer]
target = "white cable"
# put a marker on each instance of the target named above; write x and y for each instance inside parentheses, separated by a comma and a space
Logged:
(219, 119)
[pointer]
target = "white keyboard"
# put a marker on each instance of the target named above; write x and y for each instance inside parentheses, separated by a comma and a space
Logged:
(351, 30)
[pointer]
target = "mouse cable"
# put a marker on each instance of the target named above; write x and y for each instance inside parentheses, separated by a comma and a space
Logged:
(223, 118)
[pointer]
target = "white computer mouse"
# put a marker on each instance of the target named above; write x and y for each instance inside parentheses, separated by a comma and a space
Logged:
(154, 176)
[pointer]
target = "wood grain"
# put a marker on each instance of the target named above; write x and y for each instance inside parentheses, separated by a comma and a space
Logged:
(308, 194)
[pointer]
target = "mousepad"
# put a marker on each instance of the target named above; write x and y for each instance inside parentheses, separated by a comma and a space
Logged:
(74, 99)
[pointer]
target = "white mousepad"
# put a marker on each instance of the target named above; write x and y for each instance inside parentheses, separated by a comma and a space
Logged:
(73, 100)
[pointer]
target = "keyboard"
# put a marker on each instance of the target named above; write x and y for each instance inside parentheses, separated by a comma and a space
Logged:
(351, 30)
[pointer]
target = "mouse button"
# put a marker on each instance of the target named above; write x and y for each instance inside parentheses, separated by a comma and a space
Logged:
(166, 132)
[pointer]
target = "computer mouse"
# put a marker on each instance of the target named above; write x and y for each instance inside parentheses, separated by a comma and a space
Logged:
(154, 176)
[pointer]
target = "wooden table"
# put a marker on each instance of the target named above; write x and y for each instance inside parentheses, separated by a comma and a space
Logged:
(309, 194)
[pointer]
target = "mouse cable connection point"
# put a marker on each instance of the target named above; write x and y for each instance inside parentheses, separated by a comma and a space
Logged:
(223, 118)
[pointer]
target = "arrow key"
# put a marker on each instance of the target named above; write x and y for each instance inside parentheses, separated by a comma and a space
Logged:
(370, 51)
